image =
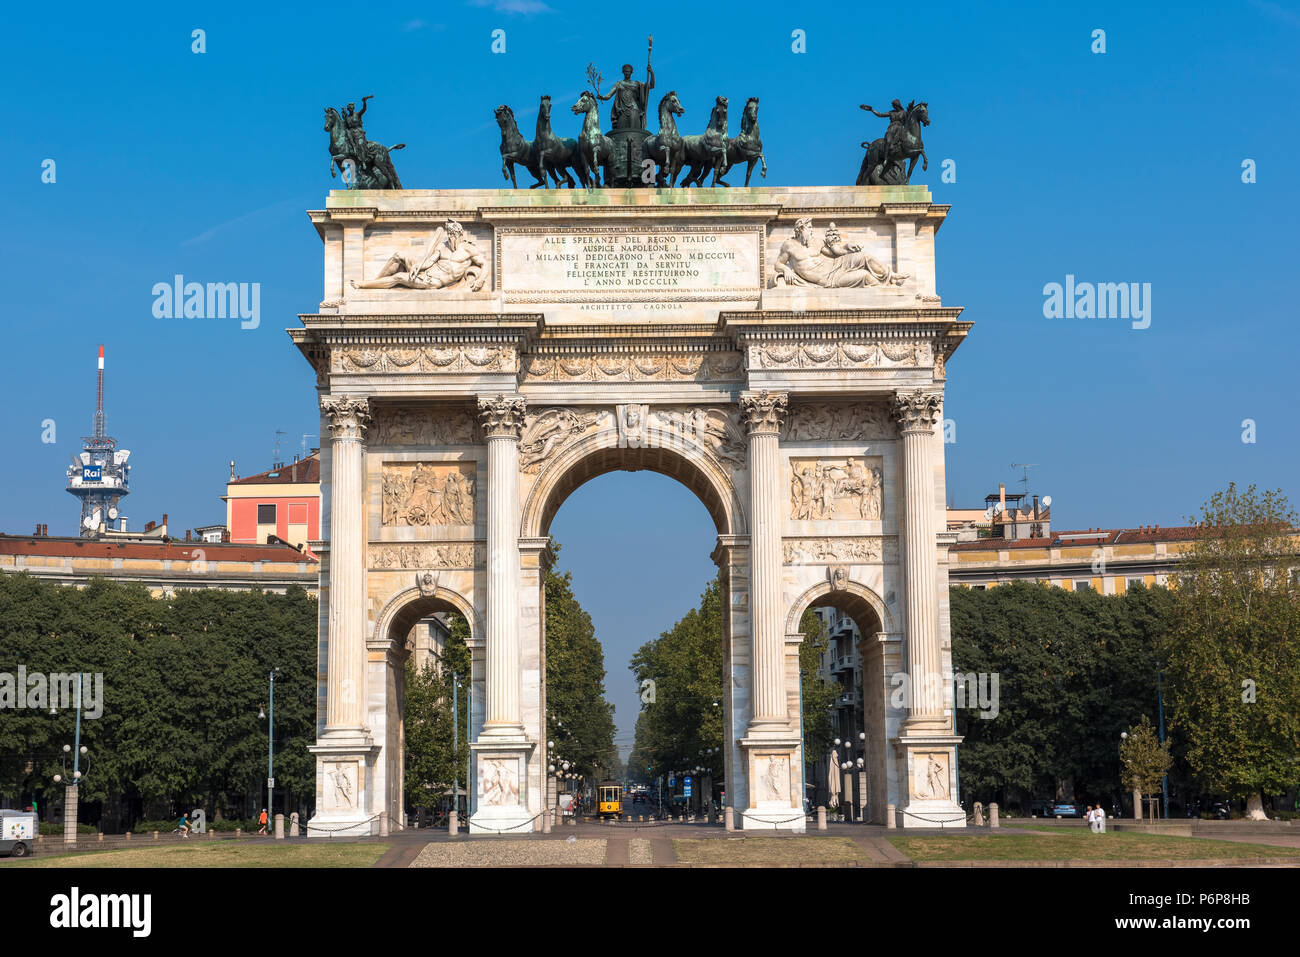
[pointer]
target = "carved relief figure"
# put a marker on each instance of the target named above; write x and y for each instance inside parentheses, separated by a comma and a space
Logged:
(818, 488)
(342, 787)
(425, 556)
(452, 257)
(426, 494)
(832, 263)
(546, 431)
(811, 421)
(775, 779)
(500, 786)
(932, 776)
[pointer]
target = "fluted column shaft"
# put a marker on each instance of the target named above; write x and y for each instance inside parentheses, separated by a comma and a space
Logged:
(345, 692)
(763, 414)
(916, 413)
(502, 418)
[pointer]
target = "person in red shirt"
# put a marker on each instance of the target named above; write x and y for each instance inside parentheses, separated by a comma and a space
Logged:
(262, 821)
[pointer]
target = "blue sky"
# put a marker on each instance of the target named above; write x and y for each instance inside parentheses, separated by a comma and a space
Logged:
(1123, 166)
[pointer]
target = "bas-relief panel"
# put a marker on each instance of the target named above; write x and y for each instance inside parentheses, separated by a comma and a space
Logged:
(340, 786)
(835, 489)
(498, 782)
(422, 493)
(836, 421)
(930, 775)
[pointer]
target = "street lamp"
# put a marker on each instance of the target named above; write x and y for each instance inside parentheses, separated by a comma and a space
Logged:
(270, 747)
(78, 750)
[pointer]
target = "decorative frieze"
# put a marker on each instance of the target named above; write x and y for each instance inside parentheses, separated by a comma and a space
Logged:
(635, 367)
(837, 421)
(848, 354)
(458, 555)
(423, 426)
(423, 493)
(412, 359)
(817, 551)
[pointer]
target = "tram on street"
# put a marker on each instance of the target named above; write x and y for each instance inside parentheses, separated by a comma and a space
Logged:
(609, 799)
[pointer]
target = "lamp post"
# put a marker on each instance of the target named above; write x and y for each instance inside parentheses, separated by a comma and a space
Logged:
(1160, 700)
(70, 794)
(270, 747)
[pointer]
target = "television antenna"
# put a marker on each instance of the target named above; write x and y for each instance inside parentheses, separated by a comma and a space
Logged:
(275, 452)
(1026, 466)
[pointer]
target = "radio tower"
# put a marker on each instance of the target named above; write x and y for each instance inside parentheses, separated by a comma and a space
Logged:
(100, 475)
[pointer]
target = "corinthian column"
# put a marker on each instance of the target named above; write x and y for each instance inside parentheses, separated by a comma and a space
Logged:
(345, 698)
(763, 413)
(502, 417)
(916, 413)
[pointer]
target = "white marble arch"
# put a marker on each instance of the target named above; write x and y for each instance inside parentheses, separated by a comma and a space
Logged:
(386, 682)
(598, 453)
(853, 599)
(714, 484)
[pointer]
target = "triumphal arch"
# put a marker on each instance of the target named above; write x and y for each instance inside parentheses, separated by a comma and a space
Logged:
(782, 352)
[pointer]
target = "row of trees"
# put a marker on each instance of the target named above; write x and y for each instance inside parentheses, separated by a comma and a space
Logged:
(1078, 669)
(184, 681)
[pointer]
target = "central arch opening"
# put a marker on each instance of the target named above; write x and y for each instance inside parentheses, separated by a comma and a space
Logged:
(635, 529)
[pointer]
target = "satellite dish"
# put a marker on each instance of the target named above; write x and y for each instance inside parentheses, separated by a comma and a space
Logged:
(997, 509)
(1047, 501)
(988, 513)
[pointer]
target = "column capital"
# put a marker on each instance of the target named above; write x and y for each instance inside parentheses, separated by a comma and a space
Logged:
(502, 415)
(916, 411)
(763, 412)
(348, 415)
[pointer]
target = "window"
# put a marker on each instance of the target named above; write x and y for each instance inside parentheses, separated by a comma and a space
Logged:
(978, 588)
(1083, 584)
(1134, 581)
(266, 514)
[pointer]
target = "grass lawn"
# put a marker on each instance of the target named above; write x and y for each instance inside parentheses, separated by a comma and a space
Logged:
(770, 850)
(1057, 844)
(220, 854)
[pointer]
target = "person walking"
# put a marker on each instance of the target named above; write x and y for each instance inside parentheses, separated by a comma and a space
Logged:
(1092, 819)
(1099, 816)
(261, 819)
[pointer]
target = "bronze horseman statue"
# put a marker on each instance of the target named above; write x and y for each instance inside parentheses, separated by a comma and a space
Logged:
(883, 163)
(364, 165)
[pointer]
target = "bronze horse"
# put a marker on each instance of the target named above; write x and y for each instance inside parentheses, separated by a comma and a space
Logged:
(515, 150)
(748, 146)
(553, 152)
(708, 151)
(594, 147)
(665, 147)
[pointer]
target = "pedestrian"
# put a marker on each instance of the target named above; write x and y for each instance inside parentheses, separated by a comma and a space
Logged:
(1092, 819)
(261, 819)
(1100, 819)
(184, 826)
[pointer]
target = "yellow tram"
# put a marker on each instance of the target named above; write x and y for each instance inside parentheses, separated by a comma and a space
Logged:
(609, 796)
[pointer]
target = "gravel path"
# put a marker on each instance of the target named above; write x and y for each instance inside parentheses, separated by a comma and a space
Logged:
(639, 851)
(498, 853)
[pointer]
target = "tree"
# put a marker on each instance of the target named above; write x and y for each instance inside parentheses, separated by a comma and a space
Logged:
(436, 749)
(1074, 669)
(1145, 759)
(816, 692)
(681, 725)
(1233, 650)
(579, 719)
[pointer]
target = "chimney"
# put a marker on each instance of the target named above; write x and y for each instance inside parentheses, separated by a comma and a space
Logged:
(187, 534)
(164, 521)
(148, 526)
(1002, 495)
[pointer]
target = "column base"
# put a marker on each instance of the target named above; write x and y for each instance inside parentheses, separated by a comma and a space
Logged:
(930, 765)
(501, 798)
(343, 793)
(773, 780)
